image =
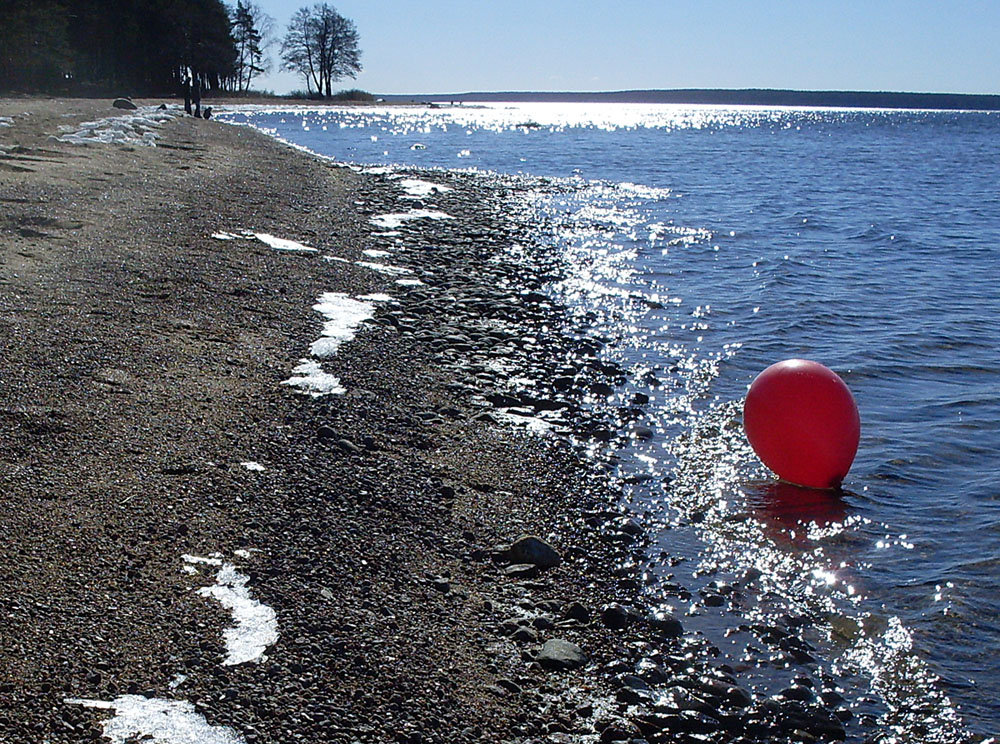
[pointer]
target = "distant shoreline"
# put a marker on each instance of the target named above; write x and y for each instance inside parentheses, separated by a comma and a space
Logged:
(732, 97)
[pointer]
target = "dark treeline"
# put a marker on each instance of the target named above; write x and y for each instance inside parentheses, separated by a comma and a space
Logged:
(133, 47)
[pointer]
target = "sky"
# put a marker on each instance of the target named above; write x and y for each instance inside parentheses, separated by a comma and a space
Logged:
(456, 46)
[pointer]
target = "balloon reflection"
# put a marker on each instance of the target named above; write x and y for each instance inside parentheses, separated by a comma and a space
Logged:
(784, 507)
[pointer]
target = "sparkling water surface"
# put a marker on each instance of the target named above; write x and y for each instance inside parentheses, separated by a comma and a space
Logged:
(706, 243)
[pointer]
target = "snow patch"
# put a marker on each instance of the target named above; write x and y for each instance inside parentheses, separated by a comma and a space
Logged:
(132, 129)
(343, 317)
(384, 268)
(392, 221)
(256, 624)
(374, 253)
(158, 721)
(409, 282)
(417, 189)
(283, 244)
(254, 466)
(310, 378)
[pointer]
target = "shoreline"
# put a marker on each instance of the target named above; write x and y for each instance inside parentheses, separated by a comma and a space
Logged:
(144, 366)
(379, 525)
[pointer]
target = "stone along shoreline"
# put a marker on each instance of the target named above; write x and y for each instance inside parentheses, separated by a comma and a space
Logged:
(258, 481)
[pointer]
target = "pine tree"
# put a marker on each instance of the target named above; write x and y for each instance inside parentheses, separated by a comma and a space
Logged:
(251, 31)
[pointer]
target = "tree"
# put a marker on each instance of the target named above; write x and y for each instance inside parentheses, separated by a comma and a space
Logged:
(33, 50)
(322, 46)
(252, 29)
(137, 47)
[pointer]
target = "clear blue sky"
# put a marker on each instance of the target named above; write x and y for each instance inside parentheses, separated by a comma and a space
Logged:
(453, 46)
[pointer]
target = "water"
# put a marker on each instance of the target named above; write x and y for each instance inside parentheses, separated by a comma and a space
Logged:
(706, 243)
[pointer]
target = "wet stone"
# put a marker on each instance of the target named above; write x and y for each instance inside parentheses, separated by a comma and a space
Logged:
(615, 616)
(665, 623)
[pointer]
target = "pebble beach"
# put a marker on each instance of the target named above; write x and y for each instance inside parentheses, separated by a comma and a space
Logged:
(262, 480)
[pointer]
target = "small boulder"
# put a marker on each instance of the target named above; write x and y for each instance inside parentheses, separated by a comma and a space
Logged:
(615, 616)
(577, 611)
(558, 654)
(124, 103)
(665, 623)
(534, 550)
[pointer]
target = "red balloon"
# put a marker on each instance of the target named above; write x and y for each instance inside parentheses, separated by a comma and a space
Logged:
(802, 421)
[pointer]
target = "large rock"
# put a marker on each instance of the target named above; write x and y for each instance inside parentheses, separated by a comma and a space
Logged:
(559, 655)
(124, 103)
(534, 550)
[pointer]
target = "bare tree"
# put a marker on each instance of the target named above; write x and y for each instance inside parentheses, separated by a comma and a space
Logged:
(252, 32)
(322, 46)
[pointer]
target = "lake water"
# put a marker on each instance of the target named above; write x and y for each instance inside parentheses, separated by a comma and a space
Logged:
(706, 243)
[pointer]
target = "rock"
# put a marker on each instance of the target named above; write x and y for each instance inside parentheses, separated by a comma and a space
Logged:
(630, 696)
(797, 692)
(124, 103)
(534, 550)
(521, 571)
(630, 527)
(509, 685)
(543, 622)
(558, 654)
(524, 635)
(665, 623)
(578, 612)
(615, 616)
(348, 446)
(619, 731)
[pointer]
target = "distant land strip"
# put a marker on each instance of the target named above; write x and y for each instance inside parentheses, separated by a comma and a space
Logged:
(744, 97)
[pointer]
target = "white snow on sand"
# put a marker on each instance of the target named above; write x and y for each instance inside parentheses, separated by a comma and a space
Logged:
(158, 721)
(409, 282)
(254, 466)
(384, 268)
(392, 221)
(256, 624)
(310, 378)
(131, 129)
(375, 253)
(279, 244)
(343, 317)
(417, 189)
(283, 244)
